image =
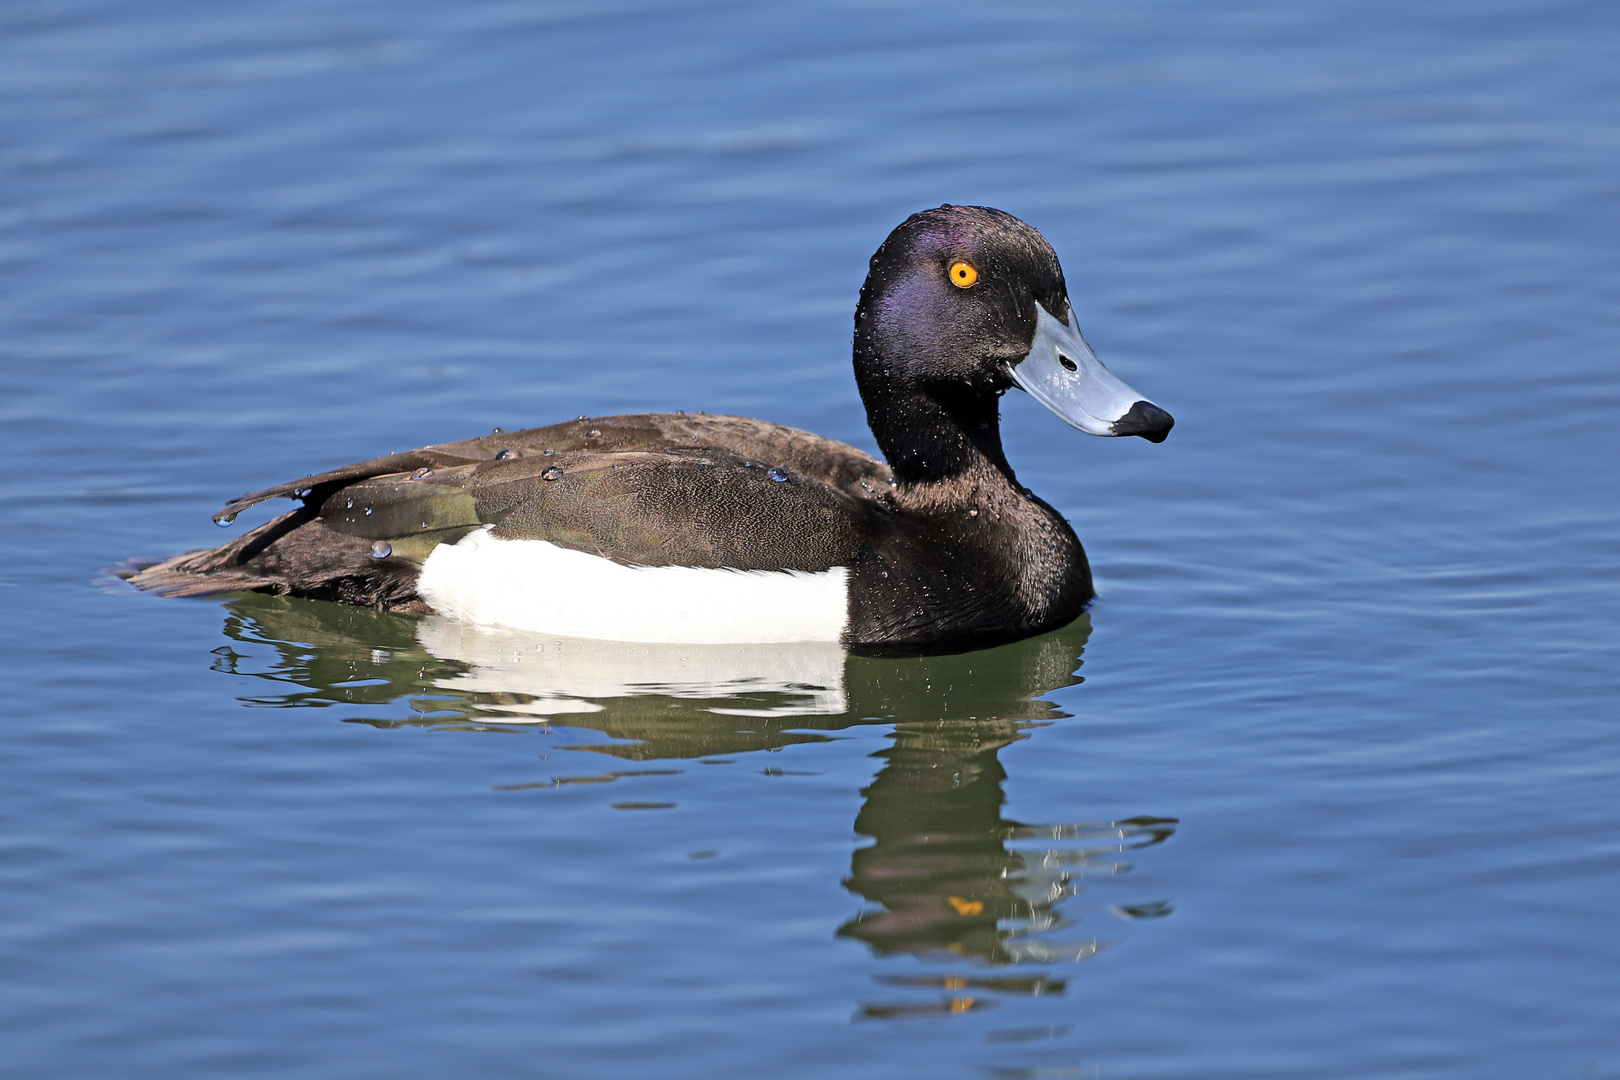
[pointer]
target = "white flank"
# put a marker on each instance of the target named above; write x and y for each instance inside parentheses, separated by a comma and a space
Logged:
(535, 585)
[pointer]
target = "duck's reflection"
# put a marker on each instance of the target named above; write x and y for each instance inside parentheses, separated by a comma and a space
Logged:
(946, 875)
(528, 677)
(952, 876)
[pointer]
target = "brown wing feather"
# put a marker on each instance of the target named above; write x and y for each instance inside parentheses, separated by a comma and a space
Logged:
(702, 508)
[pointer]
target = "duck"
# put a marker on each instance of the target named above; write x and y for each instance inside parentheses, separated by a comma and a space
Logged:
(697, 528)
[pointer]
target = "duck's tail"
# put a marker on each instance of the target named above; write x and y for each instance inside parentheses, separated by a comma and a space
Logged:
(294, 554)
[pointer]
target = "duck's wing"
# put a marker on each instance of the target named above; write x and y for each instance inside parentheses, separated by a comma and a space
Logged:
(803, 503)
(701, 508)
(804, 452)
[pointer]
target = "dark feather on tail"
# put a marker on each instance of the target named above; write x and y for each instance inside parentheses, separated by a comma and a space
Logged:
(295, 554)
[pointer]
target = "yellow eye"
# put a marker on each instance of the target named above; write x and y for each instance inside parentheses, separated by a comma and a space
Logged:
(963, 275)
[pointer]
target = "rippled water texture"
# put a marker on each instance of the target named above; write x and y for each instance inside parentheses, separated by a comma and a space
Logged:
(1336, 797)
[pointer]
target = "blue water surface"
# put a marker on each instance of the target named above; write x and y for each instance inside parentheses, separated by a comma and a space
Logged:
(1333, 793)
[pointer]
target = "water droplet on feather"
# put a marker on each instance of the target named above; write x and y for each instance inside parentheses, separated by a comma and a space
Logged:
(381, 549)
(506, 455)
(551, 472)
(225, 521)
(778, 474)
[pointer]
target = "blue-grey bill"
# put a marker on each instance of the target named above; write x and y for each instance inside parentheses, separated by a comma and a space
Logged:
(1063, 373)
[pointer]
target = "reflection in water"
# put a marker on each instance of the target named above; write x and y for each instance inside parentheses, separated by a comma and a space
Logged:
(534, 677)
(650, 701)
(951, 874)
(946, 876)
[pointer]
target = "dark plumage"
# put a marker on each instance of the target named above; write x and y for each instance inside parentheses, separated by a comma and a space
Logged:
(944, 549)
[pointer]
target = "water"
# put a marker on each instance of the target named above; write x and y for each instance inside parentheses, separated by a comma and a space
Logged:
(1335, 797)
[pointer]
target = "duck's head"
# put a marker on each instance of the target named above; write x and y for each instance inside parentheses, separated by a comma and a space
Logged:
(966, 301)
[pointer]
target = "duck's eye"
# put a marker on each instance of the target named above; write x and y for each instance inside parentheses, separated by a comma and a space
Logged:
(963, 275)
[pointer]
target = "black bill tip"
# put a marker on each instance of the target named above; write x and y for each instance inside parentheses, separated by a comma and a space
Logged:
(1147, 420)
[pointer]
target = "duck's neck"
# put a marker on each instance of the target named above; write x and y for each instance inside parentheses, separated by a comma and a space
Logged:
(929, 438)
(990, 544)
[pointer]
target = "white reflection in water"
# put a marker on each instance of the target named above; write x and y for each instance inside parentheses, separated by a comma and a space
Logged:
(539, 677)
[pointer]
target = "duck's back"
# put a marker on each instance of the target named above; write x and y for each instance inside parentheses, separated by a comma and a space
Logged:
(756, 441)
(649, 490)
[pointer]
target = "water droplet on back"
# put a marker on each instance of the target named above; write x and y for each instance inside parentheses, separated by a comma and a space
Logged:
(551, 472)
(777, 473)
(421, 474)
(593, 433)
(381, 549)
(506, 454)
(499, 431)
(547, 452)
(225, 521)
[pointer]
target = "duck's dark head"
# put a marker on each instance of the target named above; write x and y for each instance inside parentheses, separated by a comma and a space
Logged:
(964, 302)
